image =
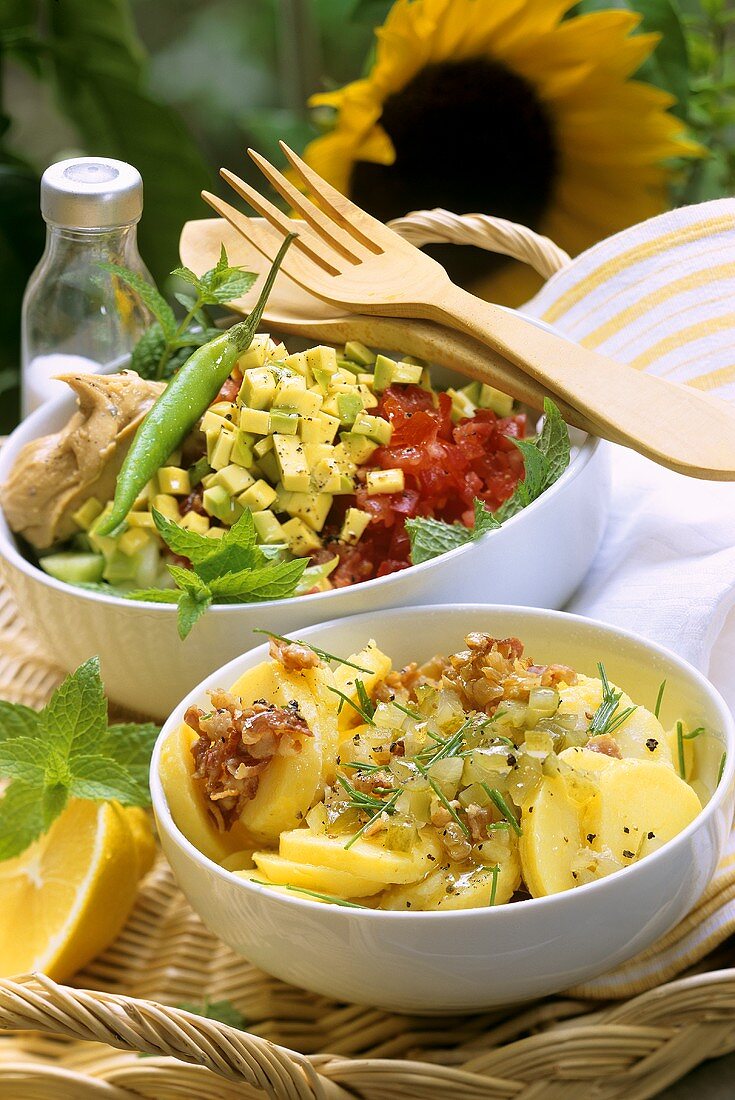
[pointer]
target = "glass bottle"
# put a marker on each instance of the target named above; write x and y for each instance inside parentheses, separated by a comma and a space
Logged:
(77, 317)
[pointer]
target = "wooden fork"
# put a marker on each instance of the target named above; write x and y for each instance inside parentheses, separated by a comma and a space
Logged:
(355, 262)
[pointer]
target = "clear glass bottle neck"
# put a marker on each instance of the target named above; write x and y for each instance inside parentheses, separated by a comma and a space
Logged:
(116, 242)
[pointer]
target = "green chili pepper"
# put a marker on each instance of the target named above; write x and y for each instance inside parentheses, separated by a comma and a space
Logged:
(183, 402)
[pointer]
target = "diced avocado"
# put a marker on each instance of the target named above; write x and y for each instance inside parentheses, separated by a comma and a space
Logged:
(374, 427)
(141, 519)
(268, 465)
(358, 353)
(242, 450)
(415, 360)
(259, 496)
(318, 429)
(167, 505)
(323, 378)
(298, 364)
(326, 476)
(85, 516)
(256, 421)
(74, 568)
(330, 406)
(119, 567)
(343, 459)
(322, 357)
(359, 448)
(354, 526)
(384, 481)
(312, 508)
(283, 499)
(192, 521)
(218, 502)
(291, 396)
(213, 422)
(490, 398)
(462, 406)
(294, 469)
(279, 351)
(315, 452)
(347, 485)
(349, 405)
(407, 374)
(300, 538)
(235, 479)
(135, 539)
(267, 527)
(174, 481)
(383, 373)
(348, 365)
(366, 380)
(263, 446)
(369, 400)
(472, 390)
(255, 356)
(285, 421)
(221, 452)
(258, 388)
(198, 471)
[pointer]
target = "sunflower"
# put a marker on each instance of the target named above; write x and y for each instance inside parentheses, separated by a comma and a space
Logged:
(505, 107)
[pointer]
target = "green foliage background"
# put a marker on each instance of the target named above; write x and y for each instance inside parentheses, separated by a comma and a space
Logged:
(179, 87)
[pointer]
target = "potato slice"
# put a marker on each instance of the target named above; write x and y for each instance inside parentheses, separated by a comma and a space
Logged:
(290, 784)
(586, 760)
(366, 858)
(453, 886)
(325, 880)
(642, 805)
(344, 679)
(552, 835)
(188, 803)
(640, 736)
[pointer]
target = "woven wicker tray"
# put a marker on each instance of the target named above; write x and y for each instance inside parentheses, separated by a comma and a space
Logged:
(62, 1043)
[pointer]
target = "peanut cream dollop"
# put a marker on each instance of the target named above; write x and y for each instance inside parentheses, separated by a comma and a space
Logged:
(55, 474)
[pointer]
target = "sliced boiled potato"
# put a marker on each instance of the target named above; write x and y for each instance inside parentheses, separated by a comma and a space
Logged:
(189, 804)
(258, 877)
(642, 805)
(325, 880)
(586, 760)
(366, 858)
(551, 837)
(344, 680)
(640, 736)
(453, 886)
(238, 861)
(290, 784)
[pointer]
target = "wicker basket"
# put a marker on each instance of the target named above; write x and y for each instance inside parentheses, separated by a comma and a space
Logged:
(72, 1044)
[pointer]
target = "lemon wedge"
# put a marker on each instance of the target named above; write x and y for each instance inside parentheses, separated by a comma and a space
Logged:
(69, 894)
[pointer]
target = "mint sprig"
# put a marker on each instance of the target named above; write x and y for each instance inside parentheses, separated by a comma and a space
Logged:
(233, 569)
(545, 459)
(167, 344)
(66, 750)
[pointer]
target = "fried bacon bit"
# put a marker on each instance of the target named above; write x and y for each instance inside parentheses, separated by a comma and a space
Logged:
(194, 502)
(235, 746)
(606, 744)
(491, 669)
(294, 656)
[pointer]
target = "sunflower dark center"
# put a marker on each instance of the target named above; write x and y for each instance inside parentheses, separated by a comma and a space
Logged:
(469, 136)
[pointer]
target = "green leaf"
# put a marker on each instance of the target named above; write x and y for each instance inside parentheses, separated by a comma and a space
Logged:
(223, 1011)
(154, 595)
(668, 66)
(189, 582)
(275, 581)
(99, 778)
(53, 802)
(484, 520)
(131, 746)
(187, 544)
(148, 352)
(17, 721)
(545, 458)
(188, 276)
(76, 715)
(191, 609)
(107, 27)
(233, 285)
(432, 537)
(148, 294)
(21, 818)
(20, 759)
(315, 573)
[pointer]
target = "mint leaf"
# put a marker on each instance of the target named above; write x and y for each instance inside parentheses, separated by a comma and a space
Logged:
(484, 520)
(234, 284)
(223, 1011)
(101, 779)
(77, 712)
(545, 458)
(20, 759)
(17, 721)
(272, 582)
(187, 276)
(21, 818)
(154, 595)
(131, 745)
(148, 352)
(149, 295)
(315, 573)
(187, 544)
(431, 537)
(191, 609)
(189, 582)
(53, 802)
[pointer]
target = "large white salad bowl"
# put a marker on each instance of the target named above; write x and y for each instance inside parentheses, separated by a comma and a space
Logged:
(537, 558)
(477, 958)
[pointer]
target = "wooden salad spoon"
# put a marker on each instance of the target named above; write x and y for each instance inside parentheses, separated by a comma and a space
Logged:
(356, 263)
(294, 310)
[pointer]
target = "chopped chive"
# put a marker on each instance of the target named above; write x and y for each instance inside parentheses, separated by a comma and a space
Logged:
(680, 749)
(411, 713)
(659, 698)
(312, 894)
(359, 766)
(620, 718)
(445, 803)
(386, 807)
(367, 718)
(321, 653)
(451, 745)
(364, 699)
(695, 733)
(498, 799)
(495, 872)
(721, 769)
(498, 825)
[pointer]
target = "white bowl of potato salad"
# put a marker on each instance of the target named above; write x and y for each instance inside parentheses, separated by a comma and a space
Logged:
(446, 808)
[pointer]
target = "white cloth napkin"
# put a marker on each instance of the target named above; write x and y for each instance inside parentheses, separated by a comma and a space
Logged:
(661, 296)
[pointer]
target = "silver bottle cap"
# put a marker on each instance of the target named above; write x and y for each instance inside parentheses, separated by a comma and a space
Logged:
(91, 193)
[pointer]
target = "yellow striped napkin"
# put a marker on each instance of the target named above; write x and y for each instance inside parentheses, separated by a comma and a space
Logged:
(661, 296)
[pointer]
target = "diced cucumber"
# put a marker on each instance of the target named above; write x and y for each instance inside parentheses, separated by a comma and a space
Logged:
(383, 373)
(74, 568)
(359, 353)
